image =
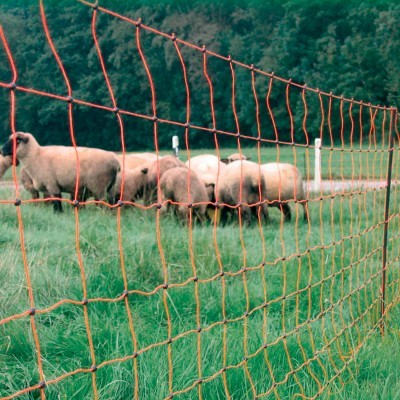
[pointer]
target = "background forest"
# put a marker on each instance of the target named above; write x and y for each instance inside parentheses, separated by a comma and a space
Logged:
(350, 48)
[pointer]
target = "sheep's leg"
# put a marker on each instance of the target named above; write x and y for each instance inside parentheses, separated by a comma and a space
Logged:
(57, 206)
(183, 212)
(306, 213)
(246, 214)
(285, 208)
(34, 193)
(264, 212)
(225, 213)
(55, 191)
(165, 205)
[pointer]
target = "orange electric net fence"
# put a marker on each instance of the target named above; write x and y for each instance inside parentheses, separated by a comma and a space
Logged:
(283, 317)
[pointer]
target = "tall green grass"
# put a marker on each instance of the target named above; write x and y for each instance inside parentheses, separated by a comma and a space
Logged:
(344, 262)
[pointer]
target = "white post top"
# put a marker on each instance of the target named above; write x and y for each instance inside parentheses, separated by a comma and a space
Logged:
(175, 145)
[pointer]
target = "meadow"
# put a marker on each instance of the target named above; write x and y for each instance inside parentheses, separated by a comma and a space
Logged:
(289, 309)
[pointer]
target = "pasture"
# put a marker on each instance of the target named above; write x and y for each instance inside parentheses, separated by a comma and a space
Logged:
(310, 291)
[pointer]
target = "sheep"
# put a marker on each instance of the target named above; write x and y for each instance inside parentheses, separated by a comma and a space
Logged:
(155, 171)
(242, 183)
(134, 184)
(54, 168)
(284, 183)
(27, 184)
(25, 179)
(5, 164)
(175, 187)
(136, 159)
(208, 168)
(234, 157)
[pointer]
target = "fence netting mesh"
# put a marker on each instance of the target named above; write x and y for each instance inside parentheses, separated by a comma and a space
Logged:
(276, 309)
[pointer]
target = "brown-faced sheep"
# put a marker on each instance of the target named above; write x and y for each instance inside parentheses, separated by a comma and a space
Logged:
(27, 184)
(156, 169)
(175, 187)
(234, 157)
(284, 183)
(209, 169)
(242, 183)
(25, 179)
(54, 168)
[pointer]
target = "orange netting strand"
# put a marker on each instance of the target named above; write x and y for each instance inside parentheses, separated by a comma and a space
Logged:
(119, 230)
(75, 202)
(41, 385)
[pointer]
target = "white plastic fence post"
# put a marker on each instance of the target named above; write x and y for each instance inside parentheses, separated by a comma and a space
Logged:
(175, 145)
(317, 166)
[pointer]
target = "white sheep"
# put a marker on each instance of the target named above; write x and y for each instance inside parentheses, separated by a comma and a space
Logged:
(284, 184)
(54, 168)
(208, 168)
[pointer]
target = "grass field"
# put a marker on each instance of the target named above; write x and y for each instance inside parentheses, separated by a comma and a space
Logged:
(320, 283)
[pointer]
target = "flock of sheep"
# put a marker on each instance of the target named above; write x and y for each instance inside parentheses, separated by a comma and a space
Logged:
(203, 181)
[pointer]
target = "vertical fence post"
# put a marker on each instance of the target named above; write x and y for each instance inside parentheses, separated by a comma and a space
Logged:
(317, 165)
(386, 222)
(175, 146)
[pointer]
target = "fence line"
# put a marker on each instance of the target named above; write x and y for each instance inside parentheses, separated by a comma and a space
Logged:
(317, 319)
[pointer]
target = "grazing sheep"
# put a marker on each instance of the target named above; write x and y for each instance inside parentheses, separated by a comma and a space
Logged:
(284, 183)
(158, 168)
(54, 168)
(136, 160)
(25, 179)
(234, 157)
(242, 183)
(5, 163)
(134, 185)
(208, 168)
(175, 187)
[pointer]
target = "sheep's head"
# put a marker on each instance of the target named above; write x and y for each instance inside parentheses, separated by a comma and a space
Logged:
(22, 142)
(209, 183)
(234, 157)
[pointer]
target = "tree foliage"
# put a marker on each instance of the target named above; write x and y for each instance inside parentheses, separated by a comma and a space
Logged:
(347, 48)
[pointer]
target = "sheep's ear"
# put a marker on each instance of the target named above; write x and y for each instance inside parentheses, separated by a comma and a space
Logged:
(145, 170)
(225, 160)
(210, 184)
